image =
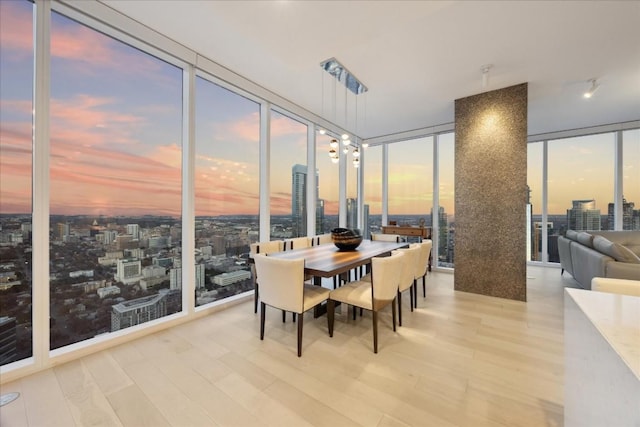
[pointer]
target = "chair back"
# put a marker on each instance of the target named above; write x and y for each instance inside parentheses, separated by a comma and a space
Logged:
(385, 276)
(423, 261)
(321, 239)
(411, 258)
(296, 243)
(266, 247)
(281, 282)
(386, 237)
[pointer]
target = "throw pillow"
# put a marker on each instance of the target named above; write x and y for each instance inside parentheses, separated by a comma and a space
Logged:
(614, 250)
(572, 235)
(585, 239)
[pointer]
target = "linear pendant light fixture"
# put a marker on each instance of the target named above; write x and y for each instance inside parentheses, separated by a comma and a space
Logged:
(351, 82)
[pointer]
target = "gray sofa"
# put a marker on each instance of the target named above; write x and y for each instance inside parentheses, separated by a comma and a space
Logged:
(586, 255)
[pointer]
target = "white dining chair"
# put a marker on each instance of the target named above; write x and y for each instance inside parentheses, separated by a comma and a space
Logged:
(282, 286)
(262, 248)
(296, 243)
(422, 267)
(375, 295)
(407, 277)
(386, 237)
(320, 239)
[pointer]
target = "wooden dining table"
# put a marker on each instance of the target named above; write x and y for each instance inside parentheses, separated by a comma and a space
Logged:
(328, 261)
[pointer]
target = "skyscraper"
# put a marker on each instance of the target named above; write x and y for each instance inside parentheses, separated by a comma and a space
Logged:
(630, 216)
(134, 230)
(299, 199)
(583, 216)
(352, 213)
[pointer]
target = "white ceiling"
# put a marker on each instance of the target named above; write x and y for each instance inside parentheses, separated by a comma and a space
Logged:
(417, 57)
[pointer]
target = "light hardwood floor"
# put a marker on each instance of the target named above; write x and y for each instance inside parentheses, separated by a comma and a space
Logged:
(459, 360)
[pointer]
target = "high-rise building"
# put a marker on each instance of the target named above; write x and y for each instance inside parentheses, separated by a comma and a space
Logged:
(175, 278)
(299, 199)
(352, 213)
(141, 310)
(200, 276)
(365, 223)
(8, 340)
(134, 231)
(443, 234)
(630, 216)
(62, 230)
(320, 216)
(584, 216)
(128, 271)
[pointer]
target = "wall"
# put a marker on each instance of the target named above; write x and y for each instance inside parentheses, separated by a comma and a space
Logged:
(490, 193)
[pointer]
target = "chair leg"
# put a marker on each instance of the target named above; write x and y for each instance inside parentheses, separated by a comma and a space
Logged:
(375, 330)
(255, 299)
(411, 297)
(562, 272)
(393, 311)
(399, 299)
(354, 312)
(300, 322)
(263, 308)
(331, 308)
(424, 286)
(293, 317)
(284, 316)
(415, 293)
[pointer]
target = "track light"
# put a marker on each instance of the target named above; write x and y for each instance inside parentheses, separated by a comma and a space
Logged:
(594, 87)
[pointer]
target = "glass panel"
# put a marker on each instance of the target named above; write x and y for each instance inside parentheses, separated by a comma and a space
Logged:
(115, 180)
(534, 205)
(288, 177)
(631, 179)
(352, 188)
(580, 182)
(411, 182)
(226, 190)
(446, 211)
(372, 191)
(16, 105)
(328, 179)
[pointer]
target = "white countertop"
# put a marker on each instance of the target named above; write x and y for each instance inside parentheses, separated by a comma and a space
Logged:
(617, 318)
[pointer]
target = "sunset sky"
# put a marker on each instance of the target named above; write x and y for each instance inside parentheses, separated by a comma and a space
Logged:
(116, 130)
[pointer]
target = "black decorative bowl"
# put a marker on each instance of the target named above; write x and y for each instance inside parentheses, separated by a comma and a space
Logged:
(346, 239)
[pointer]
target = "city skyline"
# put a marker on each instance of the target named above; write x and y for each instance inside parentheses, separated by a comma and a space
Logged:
(116, 145)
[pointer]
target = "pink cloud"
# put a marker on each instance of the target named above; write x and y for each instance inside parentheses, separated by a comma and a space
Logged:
(243, 129)
(17, 38)
(280, 204)
(92, 51)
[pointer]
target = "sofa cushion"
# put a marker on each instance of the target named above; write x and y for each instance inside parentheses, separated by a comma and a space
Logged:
(615, 250)
(585, 239)
(572, 235)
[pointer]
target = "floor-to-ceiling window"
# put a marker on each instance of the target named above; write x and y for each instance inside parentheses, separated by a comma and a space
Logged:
(372, 190)
(327, 205)
(226, 190)
(411, 182)
(115, 184)
(535, 228)
(631, 179)
(288, 177)
(446, 192)
(16, 106)
(580, 184)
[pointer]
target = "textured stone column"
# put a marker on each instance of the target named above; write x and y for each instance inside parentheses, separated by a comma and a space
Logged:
(490, 193)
